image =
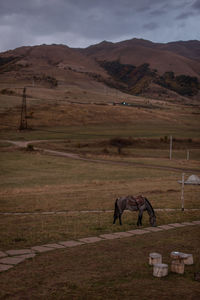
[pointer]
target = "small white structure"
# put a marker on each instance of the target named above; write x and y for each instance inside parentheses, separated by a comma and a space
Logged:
(177, 266)
(187, 259)
(192, 179)
(155, 258)
(160, 270)
(179, 260)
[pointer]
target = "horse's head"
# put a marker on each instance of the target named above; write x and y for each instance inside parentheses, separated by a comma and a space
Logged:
(152, 220)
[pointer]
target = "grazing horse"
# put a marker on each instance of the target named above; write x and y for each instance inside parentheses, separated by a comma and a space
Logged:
(134, 203)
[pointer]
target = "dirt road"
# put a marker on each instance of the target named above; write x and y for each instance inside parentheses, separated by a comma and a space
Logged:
(23, 144)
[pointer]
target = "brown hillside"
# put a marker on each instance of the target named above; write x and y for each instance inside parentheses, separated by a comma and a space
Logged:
(53, 55)
(74, 72)
(189, 49)
(177, 57)
(45, 64)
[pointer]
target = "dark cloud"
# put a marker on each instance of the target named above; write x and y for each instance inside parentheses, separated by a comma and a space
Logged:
(158, 12)
(196, 5)
(79, 23)
(150, 26)
(185, 15)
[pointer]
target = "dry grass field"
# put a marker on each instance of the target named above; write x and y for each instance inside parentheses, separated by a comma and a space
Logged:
(80, 194)
(107, 270)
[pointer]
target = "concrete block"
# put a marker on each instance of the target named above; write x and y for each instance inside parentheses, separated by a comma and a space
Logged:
(188, 223)
(154, 229)
(42, 249)
(123, 234)
(109, 236)
(165, 227)
(71, 243)
(2, 254)
(90, 240)
(138, 231)
(176, 225)
(177, 266)
(187, 259)
(56, 246)
(196, 222)
(155, 258)
(27, 256)
(5, 267)
(160, 270)
(19, 252)
(14, 260)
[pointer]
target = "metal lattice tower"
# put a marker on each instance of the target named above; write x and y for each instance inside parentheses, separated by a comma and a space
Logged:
(23, 121)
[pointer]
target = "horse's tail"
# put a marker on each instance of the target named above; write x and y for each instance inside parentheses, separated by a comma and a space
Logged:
(116, 212)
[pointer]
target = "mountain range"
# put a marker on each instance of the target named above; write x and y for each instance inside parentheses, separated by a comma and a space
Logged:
(136, 66)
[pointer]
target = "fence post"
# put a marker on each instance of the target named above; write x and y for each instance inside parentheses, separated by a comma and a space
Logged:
(188, 154)
(182, 192)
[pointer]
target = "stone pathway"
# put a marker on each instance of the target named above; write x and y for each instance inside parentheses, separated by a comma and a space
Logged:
(11, 258)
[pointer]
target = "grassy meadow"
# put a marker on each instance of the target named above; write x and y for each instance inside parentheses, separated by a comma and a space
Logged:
(80, 195)
(47, 198)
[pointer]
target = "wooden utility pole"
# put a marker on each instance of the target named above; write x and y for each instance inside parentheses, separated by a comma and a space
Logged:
(23, 121)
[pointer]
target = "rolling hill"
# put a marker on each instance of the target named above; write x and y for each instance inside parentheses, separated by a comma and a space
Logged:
(137, 67)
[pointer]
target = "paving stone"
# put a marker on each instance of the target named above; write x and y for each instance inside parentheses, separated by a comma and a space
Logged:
(19, 252)
(109, 236)
(123, 234)
(196, 222)
(71, 243)
(14, 260)
(153, 229)
(176, 225)
(27, 256)
(2, 254)
(56, 246)
(90, 240)
(138, 231)
(5, 267)
(165, 227)
(42, 249)
(188, 223)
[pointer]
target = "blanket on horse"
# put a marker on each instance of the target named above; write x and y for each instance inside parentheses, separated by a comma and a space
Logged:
(135, 201)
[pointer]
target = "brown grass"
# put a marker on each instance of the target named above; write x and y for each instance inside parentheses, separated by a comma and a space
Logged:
(107, 270)
(35, 183)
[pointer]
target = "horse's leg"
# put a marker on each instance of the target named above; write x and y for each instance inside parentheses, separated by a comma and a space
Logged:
(120, 219)
(115, 218)
(139, 222)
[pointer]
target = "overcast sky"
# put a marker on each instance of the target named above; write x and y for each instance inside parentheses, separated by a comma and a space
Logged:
(80, 23)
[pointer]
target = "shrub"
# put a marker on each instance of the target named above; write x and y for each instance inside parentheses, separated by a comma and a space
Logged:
(30, 147)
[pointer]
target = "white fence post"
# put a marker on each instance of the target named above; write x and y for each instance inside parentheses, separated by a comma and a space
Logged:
(182, 192)
(188, 154)
(170, 149)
